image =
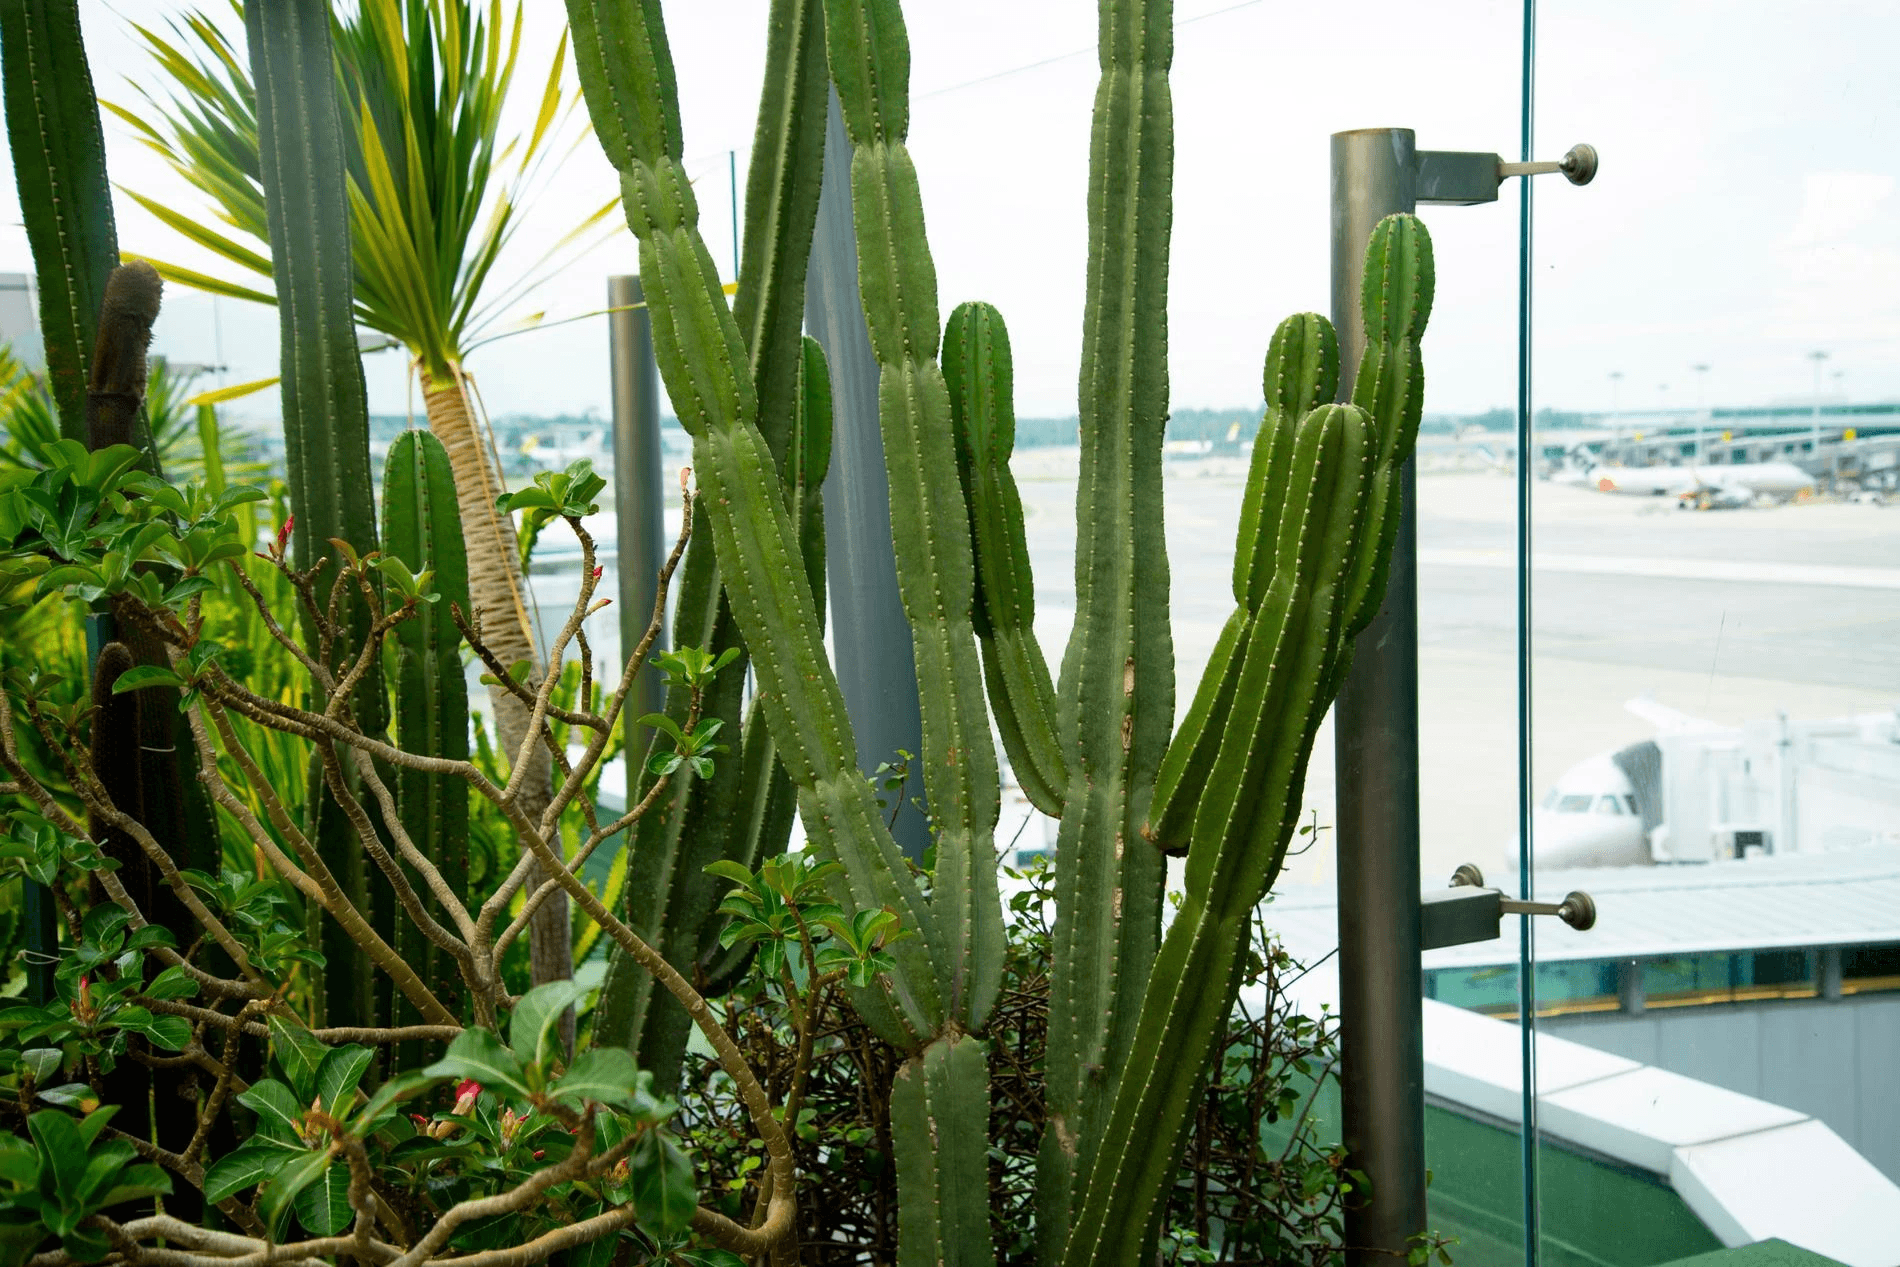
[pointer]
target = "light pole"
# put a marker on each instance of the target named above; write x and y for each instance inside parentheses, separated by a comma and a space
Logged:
(1814, 414)
(1616, 406)
(1701, 407)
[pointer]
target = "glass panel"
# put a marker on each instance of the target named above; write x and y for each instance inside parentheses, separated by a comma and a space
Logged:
(1717, 649)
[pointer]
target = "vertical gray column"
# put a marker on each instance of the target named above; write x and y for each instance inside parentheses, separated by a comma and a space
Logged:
(1375, 736)
(869, 632)
(639, 492)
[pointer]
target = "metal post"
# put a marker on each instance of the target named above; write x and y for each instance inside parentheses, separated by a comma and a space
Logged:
(1375, 735)
(869, 631)
(639, 492)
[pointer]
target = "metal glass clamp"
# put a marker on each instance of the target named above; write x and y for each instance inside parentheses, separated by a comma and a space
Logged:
(1457, 178)
(1468, 911)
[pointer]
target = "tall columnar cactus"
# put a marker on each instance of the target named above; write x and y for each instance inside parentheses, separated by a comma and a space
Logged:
(1317, 526)
(1117, 682)
(745, 810)
(1135, 1019)
(326, 416)
(423, 527)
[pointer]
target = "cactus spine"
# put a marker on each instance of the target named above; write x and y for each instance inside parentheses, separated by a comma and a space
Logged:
(423, 528)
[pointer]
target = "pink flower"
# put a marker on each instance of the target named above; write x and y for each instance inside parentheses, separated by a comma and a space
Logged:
(465, 1096)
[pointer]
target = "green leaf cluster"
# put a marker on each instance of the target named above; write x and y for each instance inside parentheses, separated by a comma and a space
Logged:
(785, 910)
(62, 1175)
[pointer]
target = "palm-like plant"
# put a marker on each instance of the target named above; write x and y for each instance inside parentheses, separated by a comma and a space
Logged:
(435, 196)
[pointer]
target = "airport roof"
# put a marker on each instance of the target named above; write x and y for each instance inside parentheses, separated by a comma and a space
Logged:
(1798, 901)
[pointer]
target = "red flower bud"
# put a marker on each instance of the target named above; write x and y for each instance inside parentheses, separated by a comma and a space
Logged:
(598, 571)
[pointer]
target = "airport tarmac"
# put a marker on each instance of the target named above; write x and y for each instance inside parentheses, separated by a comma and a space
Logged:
(1728, 615)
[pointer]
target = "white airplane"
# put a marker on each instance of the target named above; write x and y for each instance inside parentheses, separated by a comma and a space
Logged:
(1702, 487)
(1589, 819)
(1596, 815)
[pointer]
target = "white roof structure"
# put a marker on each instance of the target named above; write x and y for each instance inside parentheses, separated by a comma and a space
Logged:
(1792, 901)
(1750, 1170)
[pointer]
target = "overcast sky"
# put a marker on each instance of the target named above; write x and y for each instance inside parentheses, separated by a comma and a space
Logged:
(1746, 213)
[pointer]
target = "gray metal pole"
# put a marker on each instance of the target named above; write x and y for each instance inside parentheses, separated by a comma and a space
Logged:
(639, 492)
(869, 631)
(1375, 736)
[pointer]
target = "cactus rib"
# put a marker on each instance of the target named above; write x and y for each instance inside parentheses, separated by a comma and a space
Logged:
(976, 363)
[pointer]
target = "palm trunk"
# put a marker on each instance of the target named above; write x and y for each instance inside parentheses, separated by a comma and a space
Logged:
(496, 590)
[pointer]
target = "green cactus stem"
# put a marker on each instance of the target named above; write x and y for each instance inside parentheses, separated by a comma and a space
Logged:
(936, 578)
(1332, 478)
(1117, 681)
(1281, 695)
(59, 162)
(976, 364)
(943, 1186)
(326, 418)
(1396, 303)
(423, 527)
(627, 76)
(745, 810)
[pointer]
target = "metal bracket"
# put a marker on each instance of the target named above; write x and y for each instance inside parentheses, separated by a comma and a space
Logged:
(1468, 911)
(1456, 178)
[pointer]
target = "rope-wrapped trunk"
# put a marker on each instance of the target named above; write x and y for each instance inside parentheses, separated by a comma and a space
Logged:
(496, 591)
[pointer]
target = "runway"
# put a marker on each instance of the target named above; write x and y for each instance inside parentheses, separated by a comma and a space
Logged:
(1729, 615)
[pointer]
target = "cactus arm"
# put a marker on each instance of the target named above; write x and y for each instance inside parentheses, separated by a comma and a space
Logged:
(1302, 371)
(782, 187)
(326, 422)
(1117, 682)
(671, 899)
(768, 801)
(422, 526)
(976, 363)
(59, 163)
(1281, 695)
(936, 575)
(627, 77)
(1396, 302)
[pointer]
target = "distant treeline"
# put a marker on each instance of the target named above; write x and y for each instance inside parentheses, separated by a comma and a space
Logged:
(1218, 425)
